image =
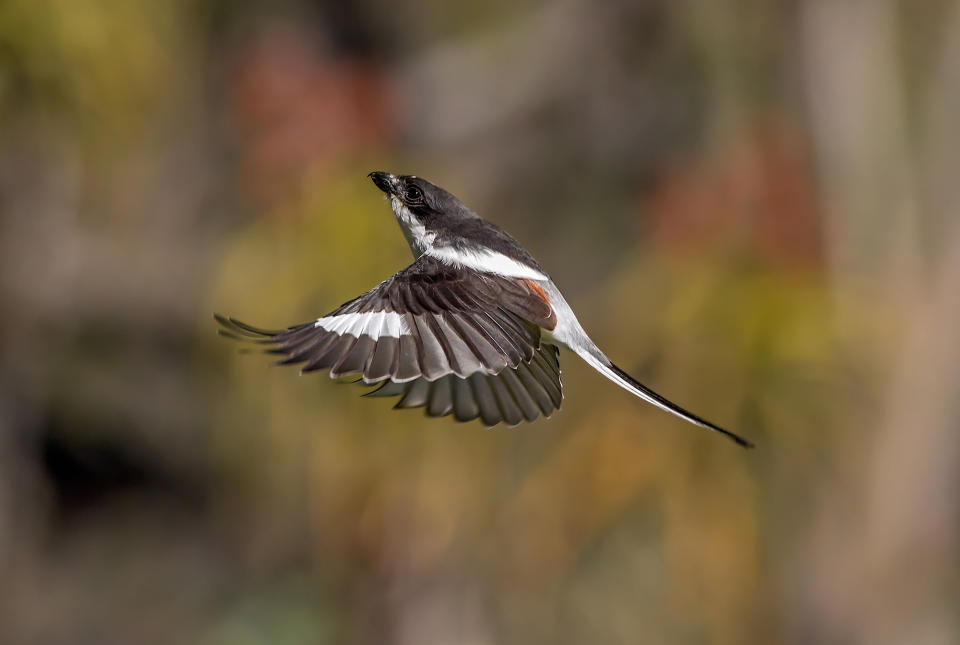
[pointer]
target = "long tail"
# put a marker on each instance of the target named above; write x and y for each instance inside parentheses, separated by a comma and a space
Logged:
(602, 364)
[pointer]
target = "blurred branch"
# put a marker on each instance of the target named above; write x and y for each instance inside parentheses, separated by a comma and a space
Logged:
(940, 143)
(858, 124)
(913, 526)
(885, 575)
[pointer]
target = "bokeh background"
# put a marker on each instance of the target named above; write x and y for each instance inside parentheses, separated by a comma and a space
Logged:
(753, 206)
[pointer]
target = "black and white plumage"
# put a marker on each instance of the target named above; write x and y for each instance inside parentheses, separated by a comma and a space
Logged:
(471, 328)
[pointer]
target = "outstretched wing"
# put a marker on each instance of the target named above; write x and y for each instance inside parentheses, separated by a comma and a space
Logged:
(453, 339)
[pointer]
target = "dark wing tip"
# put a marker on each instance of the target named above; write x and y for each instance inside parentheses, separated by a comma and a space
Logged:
(239, 330)
(239, 327)
(229, 334)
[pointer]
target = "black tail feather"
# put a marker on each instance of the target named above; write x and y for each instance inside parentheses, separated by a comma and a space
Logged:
(647, 393)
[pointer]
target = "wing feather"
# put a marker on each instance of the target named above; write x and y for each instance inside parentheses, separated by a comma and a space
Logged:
(441, 397)
(454, 340)
(383, 360)
(523, 398)
(485, 400)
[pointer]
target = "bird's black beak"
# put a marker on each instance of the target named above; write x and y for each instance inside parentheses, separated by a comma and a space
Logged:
(384, 181)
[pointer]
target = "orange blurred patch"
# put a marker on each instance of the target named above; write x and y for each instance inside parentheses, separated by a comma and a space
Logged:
(297, 110)
(757, 191)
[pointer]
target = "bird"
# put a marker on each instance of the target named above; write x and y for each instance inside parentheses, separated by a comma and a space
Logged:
(472, 328)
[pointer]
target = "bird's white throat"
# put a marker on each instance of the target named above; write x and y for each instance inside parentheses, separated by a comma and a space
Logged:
(418, 238)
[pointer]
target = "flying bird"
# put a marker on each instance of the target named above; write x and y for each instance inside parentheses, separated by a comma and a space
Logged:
(472, 328)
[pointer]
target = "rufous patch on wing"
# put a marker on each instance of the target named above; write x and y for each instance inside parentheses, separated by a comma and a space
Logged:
(537, 289)
(547, 320)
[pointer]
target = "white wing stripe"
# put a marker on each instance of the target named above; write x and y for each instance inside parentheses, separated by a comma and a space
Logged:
(394, 325)
(373, 323)
(485, 260)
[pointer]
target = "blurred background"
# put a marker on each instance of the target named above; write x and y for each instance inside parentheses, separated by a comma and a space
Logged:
(753, 206)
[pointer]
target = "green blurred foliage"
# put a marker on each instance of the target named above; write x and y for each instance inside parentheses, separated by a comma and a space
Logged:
(55, 55)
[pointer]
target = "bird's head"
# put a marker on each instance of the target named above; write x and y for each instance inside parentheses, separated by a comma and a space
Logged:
(422, 208)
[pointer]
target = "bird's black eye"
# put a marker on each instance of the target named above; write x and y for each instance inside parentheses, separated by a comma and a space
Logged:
(413, 195)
